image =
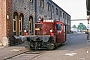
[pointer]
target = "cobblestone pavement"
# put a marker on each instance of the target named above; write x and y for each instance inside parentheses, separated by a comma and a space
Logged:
(75, 48)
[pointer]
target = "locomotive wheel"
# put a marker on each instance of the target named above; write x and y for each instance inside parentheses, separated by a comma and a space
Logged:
(35, 45)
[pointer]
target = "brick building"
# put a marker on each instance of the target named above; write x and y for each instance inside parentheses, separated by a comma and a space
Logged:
(19, 15)
(6, 25)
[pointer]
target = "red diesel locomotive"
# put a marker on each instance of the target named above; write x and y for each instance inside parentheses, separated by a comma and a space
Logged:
(47, 34)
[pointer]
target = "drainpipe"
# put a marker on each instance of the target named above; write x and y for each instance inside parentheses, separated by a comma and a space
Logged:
(51, 9)
(36, 4)
(88, 30)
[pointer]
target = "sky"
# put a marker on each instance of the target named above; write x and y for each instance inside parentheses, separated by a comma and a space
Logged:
(76, 8)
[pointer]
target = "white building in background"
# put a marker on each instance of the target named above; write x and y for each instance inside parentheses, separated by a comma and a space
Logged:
(75, 30)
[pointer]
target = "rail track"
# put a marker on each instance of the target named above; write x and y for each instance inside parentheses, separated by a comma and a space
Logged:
(27, 55)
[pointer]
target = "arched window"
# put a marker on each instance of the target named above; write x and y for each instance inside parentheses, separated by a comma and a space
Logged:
(15, 18)
(17, 24)
(21, 24)
(30, 24)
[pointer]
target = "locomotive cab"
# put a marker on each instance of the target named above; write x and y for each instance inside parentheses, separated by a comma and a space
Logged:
(60, 32)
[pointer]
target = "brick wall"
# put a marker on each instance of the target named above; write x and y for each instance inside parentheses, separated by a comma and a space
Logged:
(9, 21)
(2, 19)
(5, 19)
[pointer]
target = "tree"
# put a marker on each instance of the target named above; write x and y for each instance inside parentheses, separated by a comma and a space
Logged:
(74, 26)
(81, 27)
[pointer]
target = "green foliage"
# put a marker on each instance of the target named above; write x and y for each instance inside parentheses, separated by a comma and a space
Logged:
(81, 27)
(74, 26)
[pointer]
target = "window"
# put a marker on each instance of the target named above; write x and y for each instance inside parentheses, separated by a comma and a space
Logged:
(61, 13)
(39, 2)
(30, 24)
(14, 24)
(42, 2)
(15, 19)
(20, 24)
(53, 9)
(65, 16)
(56, 11)
(59, 27)
(20, 27)
(48, 6)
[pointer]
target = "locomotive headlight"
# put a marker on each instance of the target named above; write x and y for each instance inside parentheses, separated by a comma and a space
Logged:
(51, 30)
(37, 28)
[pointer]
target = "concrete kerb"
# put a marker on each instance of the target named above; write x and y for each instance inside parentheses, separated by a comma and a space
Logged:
(11, 51)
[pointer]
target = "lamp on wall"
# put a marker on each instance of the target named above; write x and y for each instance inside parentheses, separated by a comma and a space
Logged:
(7, 16)
(87, 16)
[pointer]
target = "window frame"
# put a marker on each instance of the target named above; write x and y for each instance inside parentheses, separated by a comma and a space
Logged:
(42, 3)
(48, 6)
(39, 2)
(30, 24)
(56, 11)
(52, 9)
(14, 27)
(60, 13)
(63, 15)
(59, 27)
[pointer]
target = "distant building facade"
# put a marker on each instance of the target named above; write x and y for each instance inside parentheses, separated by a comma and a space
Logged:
(21, 15)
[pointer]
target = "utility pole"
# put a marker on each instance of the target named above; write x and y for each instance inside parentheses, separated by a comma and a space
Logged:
(88, 17)
(88, 30)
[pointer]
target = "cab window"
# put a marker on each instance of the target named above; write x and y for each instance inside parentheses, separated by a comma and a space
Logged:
(59, 27)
